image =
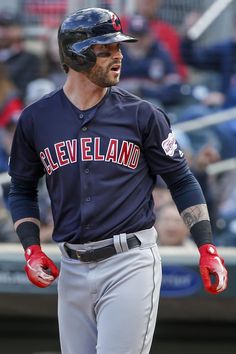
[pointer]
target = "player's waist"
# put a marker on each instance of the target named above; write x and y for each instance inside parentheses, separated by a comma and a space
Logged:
(99, 250)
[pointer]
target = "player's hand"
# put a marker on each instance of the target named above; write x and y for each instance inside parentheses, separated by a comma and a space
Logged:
(211, 264)
(40, 269)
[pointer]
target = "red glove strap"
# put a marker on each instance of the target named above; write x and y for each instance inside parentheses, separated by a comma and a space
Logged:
(32, 250)
(207, 249)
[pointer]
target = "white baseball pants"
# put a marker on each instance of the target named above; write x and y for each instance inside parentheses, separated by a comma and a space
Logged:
(110, 306)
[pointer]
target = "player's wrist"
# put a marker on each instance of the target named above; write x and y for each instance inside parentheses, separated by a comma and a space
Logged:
(202, 233)
(28, 233)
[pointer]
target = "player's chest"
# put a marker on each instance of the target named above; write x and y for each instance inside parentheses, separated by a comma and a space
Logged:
(118, 145)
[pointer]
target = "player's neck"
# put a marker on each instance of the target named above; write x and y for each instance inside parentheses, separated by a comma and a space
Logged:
(82, 92)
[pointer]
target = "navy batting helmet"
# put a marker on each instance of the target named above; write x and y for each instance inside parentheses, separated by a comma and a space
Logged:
(84, 28)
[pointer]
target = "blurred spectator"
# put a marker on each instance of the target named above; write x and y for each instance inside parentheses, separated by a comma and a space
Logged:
(147, 68)
(170, 227)
(161, 194)
(226, 211)
(37, 89)
(7, 233)
(198, 161)
(22, 66)
(161, 30)
(6, 137)
(47, 13)
(218, 57)
(51, 63)
(10, 103)
(10, 108)
(6, 134)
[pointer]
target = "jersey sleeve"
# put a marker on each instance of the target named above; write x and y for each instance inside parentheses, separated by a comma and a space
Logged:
(161, 150)
(24, 162)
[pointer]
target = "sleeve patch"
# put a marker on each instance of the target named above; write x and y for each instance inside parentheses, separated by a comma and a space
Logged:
(169, 145)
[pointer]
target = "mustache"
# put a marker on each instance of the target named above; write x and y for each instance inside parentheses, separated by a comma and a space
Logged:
(115, 62)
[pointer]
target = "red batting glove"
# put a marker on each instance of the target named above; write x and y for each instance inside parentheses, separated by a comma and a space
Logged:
(212, 264)
(40, 269)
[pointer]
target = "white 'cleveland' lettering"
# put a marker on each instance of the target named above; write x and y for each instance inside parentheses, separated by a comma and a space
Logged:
(66, 152)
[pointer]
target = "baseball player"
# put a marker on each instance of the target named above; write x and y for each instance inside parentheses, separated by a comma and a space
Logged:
(101, 149)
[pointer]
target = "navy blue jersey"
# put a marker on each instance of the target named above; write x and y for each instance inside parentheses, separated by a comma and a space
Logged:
(100, 164)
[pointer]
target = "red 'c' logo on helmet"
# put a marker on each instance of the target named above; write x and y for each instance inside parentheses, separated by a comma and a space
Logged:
(116, 22)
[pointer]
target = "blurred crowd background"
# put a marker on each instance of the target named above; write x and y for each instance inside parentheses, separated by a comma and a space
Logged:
(192, 77)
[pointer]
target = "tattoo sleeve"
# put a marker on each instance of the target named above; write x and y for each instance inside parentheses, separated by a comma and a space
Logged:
(194, 214)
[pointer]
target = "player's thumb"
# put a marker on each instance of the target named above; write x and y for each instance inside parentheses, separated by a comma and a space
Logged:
(54, 271)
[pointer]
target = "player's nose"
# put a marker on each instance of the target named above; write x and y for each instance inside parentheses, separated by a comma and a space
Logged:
(117, 54)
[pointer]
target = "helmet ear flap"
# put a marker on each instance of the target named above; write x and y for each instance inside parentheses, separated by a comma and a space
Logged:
(87, 57)
(83, 61)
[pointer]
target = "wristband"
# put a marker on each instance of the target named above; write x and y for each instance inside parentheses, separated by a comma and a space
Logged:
(28, 233)
(201, 232)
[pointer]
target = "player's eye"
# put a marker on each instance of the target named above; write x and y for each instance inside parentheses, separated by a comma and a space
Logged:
(103, 54)
(106, 50)
(103, 51)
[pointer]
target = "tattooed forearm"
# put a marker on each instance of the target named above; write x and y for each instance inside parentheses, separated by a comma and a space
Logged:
(194, 214)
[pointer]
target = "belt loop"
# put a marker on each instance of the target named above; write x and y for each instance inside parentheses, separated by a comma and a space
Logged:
(117, 245)
(62, 248)
(123, 242)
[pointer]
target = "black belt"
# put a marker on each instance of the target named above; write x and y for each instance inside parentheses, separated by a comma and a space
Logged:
(98, 254)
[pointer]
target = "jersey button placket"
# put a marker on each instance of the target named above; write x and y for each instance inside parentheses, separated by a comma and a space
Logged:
(84, 182)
